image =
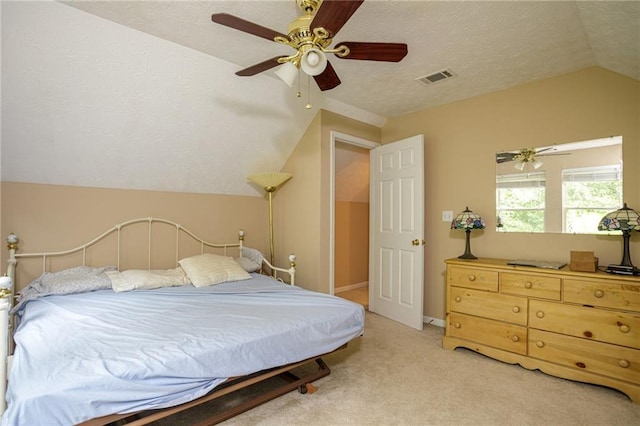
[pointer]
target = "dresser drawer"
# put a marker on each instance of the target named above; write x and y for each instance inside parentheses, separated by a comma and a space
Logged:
(480, 279)
(524, 284)
(621, 328)
(602, 293)
(489, 305)
(509, 337)
(586, 355)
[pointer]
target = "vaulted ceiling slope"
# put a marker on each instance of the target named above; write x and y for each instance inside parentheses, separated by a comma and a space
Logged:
(489, 45)
(142, 94)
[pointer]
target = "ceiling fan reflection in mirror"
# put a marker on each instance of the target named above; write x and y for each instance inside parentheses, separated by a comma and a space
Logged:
(526, 156)
(311, 35)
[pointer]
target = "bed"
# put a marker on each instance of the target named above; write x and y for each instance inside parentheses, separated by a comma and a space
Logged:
(98, 343)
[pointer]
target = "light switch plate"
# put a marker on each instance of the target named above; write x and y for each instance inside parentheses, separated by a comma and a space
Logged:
(447, 215)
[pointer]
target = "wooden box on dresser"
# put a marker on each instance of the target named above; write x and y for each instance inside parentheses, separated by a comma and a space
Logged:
(582, 326)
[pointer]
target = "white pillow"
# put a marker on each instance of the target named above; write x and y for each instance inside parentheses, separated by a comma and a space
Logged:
(139, 279)
(209, 269)
(247, 264)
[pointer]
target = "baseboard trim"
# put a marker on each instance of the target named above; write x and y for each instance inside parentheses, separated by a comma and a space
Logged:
(434, 321)
(350, 287)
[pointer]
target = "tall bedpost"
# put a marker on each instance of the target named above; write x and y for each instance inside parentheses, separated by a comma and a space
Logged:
(6, 303)
(292, 268)
(240, 240)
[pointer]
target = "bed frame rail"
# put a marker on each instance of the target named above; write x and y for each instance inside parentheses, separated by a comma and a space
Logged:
(290, 382)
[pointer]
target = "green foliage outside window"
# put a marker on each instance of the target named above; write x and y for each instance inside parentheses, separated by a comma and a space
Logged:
(521, 209)
(521, 202)
(585, 203)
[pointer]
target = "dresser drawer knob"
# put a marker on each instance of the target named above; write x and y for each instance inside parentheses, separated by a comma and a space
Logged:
(471, 277)
(540, 344)
(457, 325)
(528, 284)
(599, 294)
(581, 364)
(623, 328)
(515, 339)
(623, 363)
(458, 298)
(540, 314)
(588, 334)
(515, 309)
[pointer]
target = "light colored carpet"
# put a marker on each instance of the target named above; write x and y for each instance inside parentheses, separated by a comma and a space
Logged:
(395, 375)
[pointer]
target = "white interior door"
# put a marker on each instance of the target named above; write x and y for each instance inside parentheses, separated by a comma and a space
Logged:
(396, 254)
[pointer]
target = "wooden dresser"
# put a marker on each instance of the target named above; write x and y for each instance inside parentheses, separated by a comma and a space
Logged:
(577, 325)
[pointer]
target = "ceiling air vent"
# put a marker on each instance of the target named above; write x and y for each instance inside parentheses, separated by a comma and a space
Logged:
(436, 77)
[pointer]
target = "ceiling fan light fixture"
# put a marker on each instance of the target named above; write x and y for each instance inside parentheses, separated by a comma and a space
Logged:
(313, 62)
(520, 166)
(536, 164)
(287, 72)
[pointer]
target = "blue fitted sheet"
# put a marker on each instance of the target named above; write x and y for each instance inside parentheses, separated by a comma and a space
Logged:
(87, 355)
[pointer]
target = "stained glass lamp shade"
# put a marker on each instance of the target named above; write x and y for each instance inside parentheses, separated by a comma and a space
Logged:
(625, 220)
(467, 220)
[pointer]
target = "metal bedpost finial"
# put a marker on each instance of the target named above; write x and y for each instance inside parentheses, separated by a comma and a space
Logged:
(292, 260)
(241, 235)
(12, 241)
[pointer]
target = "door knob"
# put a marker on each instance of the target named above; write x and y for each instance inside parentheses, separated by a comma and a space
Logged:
(416, 242)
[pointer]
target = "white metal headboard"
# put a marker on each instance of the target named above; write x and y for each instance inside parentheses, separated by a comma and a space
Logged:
(13, 240)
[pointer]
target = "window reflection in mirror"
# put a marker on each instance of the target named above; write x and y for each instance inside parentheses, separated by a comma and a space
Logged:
(560, 188)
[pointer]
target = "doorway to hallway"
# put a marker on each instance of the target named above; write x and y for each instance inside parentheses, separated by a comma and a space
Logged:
(351, 222)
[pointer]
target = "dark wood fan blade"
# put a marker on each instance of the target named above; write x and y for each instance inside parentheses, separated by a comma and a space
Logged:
(502, 157)
(388, 52)
(258, 68)
(538, 151)
(333, 14)
(246, 26)
(328, 79)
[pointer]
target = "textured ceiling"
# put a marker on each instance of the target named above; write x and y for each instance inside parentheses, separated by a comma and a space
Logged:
(489, 45)
(142, 94)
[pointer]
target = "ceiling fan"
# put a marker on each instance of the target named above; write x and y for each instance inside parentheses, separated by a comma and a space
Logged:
(526, 156)
(311, 35)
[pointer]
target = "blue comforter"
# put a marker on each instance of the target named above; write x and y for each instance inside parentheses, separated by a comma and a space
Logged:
(82, 356)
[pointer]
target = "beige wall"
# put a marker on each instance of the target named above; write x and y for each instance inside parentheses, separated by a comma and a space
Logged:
(51, 217)
(305, 225)
(297, 209)
(461, 140)
(351, 243)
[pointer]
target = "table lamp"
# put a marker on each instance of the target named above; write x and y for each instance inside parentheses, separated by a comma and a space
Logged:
(467, 220)
(625, 220)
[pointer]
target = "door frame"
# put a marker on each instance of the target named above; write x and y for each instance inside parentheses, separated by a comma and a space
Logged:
(352, 140)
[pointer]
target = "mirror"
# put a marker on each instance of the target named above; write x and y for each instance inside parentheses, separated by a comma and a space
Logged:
(564, 188)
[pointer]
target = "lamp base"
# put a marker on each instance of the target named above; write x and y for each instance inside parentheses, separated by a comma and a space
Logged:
(622, 270)
(467, 256)
(467, 250)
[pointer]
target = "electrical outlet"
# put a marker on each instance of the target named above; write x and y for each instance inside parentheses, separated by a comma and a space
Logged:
(447, 216)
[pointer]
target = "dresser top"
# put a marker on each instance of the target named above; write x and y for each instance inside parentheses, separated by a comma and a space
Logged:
(503, 265)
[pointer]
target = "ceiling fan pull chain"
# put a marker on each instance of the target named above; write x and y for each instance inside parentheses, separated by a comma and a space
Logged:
(299, 93)
(308, 106)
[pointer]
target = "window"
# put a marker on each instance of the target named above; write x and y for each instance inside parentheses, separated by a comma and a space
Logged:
(588, 194)
(520, 202)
